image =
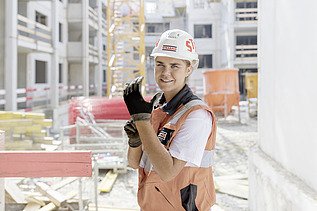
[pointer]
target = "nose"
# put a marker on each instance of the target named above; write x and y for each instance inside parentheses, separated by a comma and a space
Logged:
(167, 71)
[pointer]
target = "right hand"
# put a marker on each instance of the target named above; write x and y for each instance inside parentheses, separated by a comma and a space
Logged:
(132, 133)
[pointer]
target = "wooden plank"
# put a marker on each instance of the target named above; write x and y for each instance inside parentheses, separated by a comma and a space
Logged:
(48, 207)
(62, 156)
(32, 207)
(108, 182)
(15, 192)
(34, 199)
(56, 197)
(63, 183)
(45, 164)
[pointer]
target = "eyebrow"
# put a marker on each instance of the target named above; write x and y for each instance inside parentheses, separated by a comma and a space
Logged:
(169, 63)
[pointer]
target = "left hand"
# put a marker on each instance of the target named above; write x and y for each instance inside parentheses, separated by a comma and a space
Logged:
(134, 100)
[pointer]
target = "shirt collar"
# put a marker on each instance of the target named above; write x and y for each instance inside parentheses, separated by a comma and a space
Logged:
(181, 98)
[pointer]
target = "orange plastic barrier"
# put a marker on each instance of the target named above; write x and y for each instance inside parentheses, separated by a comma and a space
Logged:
(221, 89)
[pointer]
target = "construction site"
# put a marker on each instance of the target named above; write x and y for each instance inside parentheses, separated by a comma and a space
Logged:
(63, 68)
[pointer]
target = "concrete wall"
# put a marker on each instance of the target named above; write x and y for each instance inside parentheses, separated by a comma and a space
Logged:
(22, 70)
(212, 16)
(287, 107)
(2, 44)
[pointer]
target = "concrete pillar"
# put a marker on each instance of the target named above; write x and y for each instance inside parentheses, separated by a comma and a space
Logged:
(10, 58)
(85, 48)
(98, 69)
(55, 58)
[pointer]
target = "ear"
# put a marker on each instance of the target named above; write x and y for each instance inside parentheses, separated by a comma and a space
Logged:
(189, 71)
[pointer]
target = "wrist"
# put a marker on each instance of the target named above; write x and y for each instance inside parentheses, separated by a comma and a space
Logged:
(134, 143)
(141, 117)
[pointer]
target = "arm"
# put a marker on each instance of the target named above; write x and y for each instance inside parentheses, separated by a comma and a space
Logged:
(165, 165)
(134, 156)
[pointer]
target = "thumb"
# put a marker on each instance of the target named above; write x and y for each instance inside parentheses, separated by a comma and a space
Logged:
(155, 98)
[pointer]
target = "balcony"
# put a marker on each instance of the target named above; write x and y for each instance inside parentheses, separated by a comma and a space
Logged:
(104, 26)
(246, 17)
(33, 35)
(246, 54)
(93, 54)
(93, 18)
(74, 50)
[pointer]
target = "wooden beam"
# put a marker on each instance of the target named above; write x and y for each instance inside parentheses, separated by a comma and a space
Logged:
(45, 164)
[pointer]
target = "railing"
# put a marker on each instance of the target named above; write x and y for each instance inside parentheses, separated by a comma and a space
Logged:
(93, 51)
(33, 32)
(246, 51)
(104, 25)
(28, 98)
(153, 33)
(21, 97)
(93, 16)
(247, 15)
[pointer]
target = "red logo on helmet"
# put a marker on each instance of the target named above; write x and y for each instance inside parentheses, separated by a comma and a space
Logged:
(169, 48)
(156, 44)
(190, 45)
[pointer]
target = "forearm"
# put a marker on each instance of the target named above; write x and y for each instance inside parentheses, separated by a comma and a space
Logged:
(134, 156)
(158, 155)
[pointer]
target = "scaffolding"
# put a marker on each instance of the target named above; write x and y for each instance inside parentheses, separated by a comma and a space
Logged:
(125, 43)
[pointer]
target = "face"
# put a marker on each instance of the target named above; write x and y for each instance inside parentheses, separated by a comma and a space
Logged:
(170, 75)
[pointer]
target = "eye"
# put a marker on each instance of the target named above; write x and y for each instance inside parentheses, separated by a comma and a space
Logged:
(175, 66)
(159, 65)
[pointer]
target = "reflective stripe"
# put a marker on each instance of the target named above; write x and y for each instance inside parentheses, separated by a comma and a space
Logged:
(185, 108)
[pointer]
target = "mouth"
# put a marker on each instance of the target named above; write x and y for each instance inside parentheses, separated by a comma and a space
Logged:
(166, 80)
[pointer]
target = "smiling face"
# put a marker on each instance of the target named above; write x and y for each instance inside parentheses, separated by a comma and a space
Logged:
(170, 75)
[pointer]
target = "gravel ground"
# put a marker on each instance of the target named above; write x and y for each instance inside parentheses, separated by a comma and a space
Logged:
(234, 139)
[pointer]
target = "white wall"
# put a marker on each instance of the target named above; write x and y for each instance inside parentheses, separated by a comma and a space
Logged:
(283, 170)
(2, 44)
(212, 16)
(75, 74)
(42, 7)
(31, 57)
(287, 110)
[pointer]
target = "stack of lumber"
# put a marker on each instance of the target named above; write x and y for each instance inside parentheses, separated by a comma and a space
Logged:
(25, 131)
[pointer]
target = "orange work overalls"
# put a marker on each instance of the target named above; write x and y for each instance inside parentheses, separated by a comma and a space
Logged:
(193, 188)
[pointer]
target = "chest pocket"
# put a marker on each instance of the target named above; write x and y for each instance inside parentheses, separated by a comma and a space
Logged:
(165, 135)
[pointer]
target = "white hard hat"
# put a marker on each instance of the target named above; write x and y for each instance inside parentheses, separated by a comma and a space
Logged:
(177, 44)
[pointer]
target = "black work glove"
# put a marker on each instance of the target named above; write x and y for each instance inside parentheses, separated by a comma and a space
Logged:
(132, 133)
(138, 108)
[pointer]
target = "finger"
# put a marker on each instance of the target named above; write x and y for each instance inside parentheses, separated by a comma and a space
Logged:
(129, 128)
(139, 79)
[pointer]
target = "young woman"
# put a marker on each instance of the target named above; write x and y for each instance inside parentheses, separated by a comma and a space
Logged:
(171, 138)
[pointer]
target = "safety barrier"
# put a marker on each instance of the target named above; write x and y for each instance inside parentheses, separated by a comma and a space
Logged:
(28, 98)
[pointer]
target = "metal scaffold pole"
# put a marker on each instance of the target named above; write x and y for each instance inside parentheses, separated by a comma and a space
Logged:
(125, 43)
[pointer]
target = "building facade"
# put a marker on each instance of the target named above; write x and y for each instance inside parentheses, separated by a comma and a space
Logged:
(51, 50)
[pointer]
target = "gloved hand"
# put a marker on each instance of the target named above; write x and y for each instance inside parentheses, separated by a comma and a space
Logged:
(132, 133)
(138, 108)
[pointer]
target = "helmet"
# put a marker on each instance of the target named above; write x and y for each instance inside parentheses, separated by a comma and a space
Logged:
(177, 44)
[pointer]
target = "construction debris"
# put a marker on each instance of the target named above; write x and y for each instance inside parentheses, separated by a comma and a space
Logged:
(39, 195)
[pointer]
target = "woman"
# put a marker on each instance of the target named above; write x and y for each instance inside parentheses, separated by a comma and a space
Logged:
(171, 138)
